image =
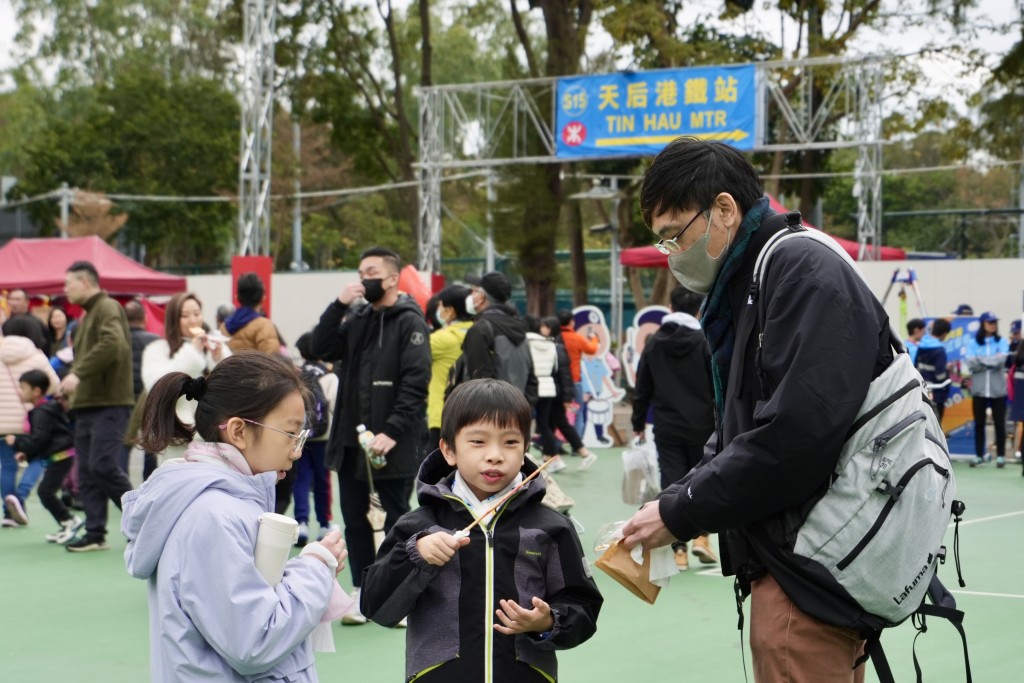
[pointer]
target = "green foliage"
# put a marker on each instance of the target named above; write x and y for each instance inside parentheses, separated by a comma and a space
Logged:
(145, 136)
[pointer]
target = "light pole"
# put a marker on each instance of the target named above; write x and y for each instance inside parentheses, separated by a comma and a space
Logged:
(600, 193)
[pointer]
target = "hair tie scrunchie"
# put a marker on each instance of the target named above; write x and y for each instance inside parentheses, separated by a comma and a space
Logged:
(195, 388)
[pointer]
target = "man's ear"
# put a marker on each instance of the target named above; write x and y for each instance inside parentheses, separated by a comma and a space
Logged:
(448, 452)
(729, 209)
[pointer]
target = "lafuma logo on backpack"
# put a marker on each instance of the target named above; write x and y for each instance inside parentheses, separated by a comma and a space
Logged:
(907, 590)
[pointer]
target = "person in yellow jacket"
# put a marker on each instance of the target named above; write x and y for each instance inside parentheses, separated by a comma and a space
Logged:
(445, 349)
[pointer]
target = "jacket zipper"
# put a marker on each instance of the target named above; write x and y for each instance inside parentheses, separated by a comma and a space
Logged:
(489, 594)
(894, 493)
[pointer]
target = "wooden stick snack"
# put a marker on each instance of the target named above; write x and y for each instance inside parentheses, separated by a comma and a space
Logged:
(465, 532)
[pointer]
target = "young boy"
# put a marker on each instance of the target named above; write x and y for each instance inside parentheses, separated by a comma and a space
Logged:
(49, 437)
(496, 605)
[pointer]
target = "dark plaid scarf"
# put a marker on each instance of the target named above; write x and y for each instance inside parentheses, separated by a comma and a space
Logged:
(716, 315)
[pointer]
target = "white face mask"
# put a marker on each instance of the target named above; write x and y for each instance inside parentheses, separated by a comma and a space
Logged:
(694, 268)
(440, 318)
(470, 306)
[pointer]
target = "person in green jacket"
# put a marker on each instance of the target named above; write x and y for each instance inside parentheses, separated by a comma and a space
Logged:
(101, 394)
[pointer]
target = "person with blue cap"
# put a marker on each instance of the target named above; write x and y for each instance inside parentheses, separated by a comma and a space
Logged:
(986, 358)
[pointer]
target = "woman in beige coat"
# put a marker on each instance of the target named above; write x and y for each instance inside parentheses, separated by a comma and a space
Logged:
(18, 355)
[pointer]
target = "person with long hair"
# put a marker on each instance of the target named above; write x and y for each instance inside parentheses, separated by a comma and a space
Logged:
(986, 358)
(192, 528)
(186, 348)
(60, 328)
(551, 415)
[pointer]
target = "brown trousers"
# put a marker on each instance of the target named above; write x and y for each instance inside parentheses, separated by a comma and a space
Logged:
(788, 646)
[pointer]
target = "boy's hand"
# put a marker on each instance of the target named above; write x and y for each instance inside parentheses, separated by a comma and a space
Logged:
(9, 439)
(439, 547)
(518, 619)
(21, 457)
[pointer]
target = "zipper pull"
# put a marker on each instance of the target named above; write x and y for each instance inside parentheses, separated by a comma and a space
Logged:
(490, 537)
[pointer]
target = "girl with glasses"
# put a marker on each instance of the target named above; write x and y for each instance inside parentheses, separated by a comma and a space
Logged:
(192, 528)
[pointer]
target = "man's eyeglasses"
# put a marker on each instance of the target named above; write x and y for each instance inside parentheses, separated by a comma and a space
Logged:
(671, 246)
(300, 438)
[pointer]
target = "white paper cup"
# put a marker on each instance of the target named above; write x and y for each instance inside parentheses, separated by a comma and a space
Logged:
(274, 542)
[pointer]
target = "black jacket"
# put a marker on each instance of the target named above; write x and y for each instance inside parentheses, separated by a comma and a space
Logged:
(826, 337)
(385, 369)
(49, 432)
(140, 340)
(565, 387)
(478, 346)
(674, 376)
(527, 550)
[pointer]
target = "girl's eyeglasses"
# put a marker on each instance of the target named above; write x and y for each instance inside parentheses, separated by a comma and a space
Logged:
(671, 246)
(300, 438)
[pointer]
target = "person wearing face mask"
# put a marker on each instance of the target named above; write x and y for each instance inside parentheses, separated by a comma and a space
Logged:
(496, 344)
(451, 322)
(785, 399)
(383, 350)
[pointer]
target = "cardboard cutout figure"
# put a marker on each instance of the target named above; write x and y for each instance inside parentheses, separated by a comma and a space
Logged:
(599, 391)
(645, 323)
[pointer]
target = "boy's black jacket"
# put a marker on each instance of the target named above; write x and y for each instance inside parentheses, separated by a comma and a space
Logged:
(49, 432)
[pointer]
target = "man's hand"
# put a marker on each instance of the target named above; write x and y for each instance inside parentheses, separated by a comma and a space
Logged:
(21, 457)
(382, 443)
(518, 619)
(439, 547)
(647, 528)
(9, 439)
(351, 292)
(69, 384)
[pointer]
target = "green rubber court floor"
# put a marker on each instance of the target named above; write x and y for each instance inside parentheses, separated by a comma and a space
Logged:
(80, 617)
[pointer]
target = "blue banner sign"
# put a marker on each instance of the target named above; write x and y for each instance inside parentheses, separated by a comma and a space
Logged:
(639, 113)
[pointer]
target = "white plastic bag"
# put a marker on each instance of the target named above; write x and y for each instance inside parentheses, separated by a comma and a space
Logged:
(640, 475)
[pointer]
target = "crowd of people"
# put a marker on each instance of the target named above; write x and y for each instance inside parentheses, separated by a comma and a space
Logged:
(443, 404)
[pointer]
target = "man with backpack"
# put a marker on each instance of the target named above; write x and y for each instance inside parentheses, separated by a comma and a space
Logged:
(793, 357)
(495, 346)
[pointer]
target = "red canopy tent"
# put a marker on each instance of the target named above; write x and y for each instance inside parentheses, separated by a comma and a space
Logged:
(38, 266)
(650, 257)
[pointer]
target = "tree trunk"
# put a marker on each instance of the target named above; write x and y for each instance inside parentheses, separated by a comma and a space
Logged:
(577, 259)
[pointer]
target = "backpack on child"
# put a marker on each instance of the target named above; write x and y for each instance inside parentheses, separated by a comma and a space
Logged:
(512, 363)
(319, 412)
(873, 541)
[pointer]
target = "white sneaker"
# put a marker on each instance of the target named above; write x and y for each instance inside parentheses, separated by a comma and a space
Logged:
(303, 535)
(354, 617)
(557, 465)
(326, 530)
(587, 461)
(68, 529)
(16, 510)
(404, 623)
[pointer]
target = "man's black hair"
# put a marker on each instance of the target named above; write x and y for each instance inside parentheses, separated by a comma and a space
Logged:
(36, 379)
(564, 317)
(250, 290)
(689, 173)
(940, 326)
(914, 325)
(485, 400)
(390, 257)
(87, 269)
(683, 300)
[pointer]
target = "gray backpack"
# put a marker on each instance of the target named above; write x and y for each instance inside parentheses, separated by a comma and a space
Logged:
(875, 535)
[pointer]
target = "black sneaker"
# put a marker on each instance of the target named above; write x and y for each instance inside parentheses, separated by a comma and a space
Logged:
(87, 544)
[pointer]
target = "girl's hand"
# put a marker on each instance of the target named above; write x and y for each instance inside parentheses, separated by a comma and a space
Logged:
(336, 545)
(199, 343)
(216, 350)
(440, 547)
(517, 619)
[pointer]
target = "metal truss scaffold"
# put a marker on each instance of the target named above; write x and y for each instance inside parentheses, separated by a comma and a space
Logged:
(818, 103)
(254, 170)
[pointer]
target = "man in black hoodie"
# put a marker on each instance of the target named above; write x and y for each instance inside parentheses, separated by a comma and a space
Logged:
(383, 349)
(674, 378)
(496, 345)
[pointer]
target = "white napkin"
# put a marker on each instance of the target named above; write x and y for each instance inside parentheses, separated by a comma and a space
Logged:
(663, 563)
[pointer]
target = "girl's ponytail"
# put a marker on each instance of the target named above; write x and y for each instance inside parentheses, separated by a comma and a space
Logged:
(160, 424)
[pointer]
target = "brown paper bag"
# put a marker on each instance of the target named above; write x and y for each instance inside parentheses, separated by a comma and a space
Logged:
(617, 563)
